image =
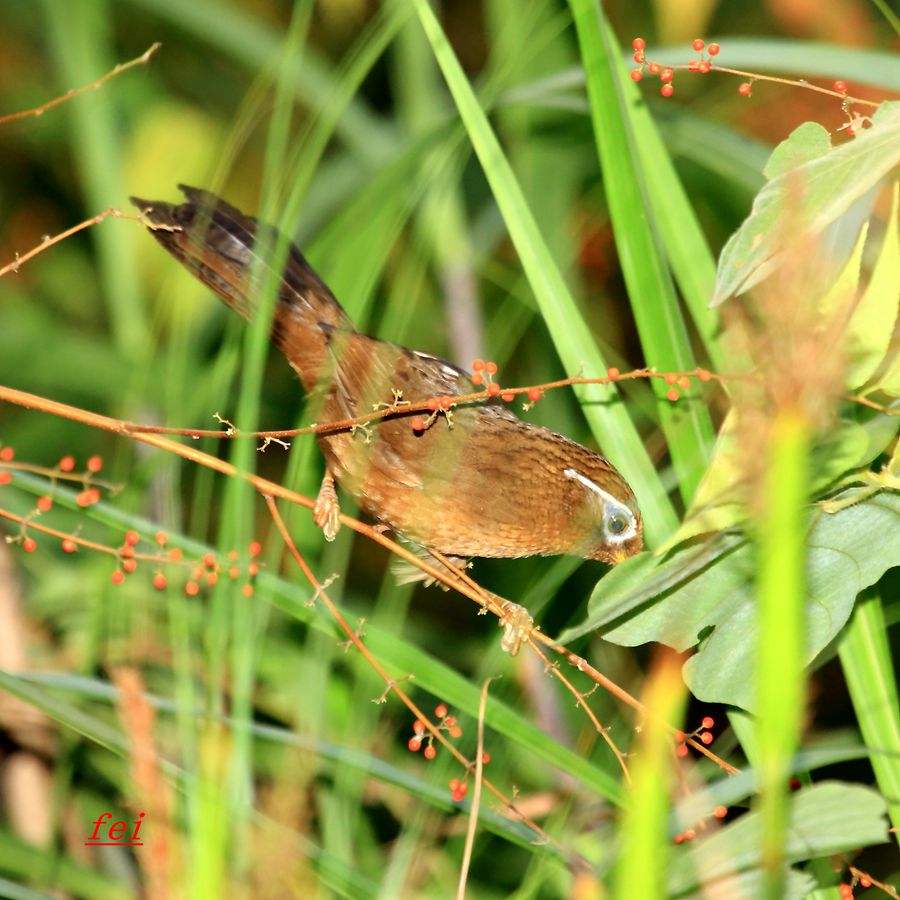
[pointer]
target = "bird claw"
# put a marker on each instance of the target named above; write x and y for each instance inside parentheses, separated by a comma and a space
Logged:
(517, 626)
(327, 511)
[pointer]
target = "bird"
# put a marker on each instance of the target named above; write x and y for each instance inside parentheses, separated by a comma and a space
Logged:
(471, 481)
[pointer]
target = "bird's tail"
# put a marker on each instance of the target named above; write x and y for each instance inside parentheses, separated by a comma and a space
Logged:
(218, 243)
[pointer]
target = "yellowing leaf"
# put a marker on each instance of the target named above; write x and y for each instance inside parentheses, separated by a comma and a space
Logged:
(841, 296)
(869, 330)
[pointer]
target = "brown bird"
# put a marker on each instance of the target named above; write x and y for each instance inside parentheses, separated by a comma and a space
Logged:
(476, 482)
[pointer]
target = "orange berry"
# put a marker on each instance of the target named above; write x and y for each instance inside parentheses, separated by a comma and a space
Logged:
(191, 588)
(698, 44)
(459, 794)
(161, 538)
(690, 834)
(69, 546)
(667, 90)
(434, 404)
(841, 87)
(129, 565)
(175, 554)
(456, 731)
(638, 56)
(679, 736)
(670, 378)
(449, 721)
(7, 454)
(679, 838)
(493, 389)
(507, 396)
(713, 49)
(66, 464)
(706, 738)
(88, 497)
(253, 570)
(209, 560)
(429, 752)
(638, 44)
(682, 750)
(126, 551)
(478, 365)
(29, 545)
(232, 555)
(636, 75)
(535, 394)
(247, 590)
(212, 579)
(485, 758)
(704, 66)
(117, 577)
(684, 382)
(419, 726)
(477, 378)
(197, 574)
(694, 65)
(45, 503)
(414, 744)
(159, 581)
(233, 573)
(94, 464)
(132, 538)
(745, 88)
(707, 722)
(654, 68)
(5, 478)
(720, 812)
(672, 395)
(255, 548)
(703, 374)
(440, 710)
(490, 368)
(666, 75)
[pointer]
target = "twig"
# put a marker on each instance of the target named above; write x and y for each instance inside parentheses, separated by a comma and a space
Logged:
(392, 684)
(476, 795)
(36, 111)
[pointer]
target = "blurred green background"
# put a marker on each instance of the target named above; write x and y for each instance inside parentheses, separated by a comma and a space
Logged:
(335, 118)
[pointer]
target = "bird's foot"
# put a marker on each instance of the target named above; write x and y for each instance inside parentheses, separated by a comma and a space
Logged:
(327, 511)
(517, 625)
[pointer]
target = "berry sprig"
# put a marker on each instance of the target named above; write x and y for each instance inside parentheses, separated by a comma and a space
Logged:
(203, 572)
(447, 723)
(706, 63)
(703, 734)
(683, 837)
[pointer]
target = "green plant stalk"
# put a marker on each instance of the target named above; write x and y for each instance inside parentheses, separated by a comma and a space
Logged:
(866, 660)
(781, 592)
(607, 418)
(641, 866)
(664, 337)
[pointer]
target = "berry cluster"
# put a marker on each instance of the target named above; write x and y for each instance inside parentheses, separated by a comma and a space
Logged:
(666, 74)
(703, 734)
(447, 723)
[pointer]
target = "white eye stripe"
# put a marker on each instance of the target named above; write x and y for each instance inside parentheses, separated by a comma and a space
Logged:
(611, 507)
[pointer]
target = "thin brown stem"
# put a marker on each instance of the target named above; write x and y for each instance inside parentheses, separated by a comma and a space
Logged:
(36, 111)
(390, 682)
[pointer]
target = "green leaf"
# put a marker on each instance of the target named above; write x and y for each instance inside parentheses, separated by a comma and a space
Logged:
(805, 143)
(816, 192)
(606, 415)
(828, 818)
(720, 502)
(711, 586)
(870, 328)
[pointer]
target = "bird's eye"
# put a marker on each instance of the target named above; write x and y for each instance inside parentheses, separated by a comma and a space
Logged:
(616, 524)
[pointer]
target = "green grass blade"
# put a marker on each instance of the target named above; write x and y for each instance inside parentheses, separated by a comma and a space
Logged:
(866, 660)
(781, 589)
(663, 334)
(607, 417)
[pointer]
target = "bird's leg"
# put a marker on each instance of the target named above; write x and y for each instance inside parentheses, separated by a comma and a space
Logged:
(517, 626)
(327, 510)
